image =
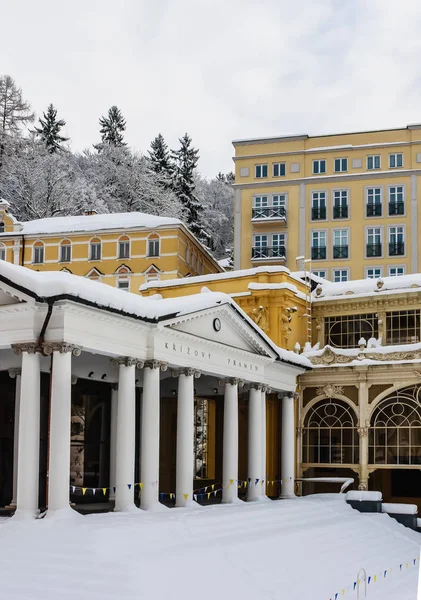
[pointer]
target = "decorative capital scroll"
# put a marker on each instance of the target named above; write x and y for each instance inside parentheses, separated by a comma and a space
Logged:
(363, 431)
(256, 386)
(29, 347)
(232, 381)
(62, 347)
(187, 371)
(155, 364)
(13, 373)
(299, 431)
(127, 361)
(330, 390)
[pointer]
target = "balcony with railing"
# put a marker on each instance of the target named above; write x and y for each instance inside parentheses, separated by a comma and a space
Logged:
(273, 213)
(268, 253)
(374, 250)
(374, 210)
(340, 251)
(318, 253)
(396, 248)
(318, 214)
(340, 212)
(396, 208)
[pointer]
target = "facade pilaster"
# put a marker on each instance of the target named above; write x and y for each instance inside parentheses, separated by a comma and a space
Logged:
(150, 435)
(288, 445)
(230, 442)
(29, 430)
(185, 436)
(255, 443)
(363, 430)
(60, 425)
(126, 434)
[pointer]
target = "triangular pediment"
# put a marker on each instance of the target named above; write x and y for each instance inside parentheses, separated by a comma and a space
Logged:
(223, 325)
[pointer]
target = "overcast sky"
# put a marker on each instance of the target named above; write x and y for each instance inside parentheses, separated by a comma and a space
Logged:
(219, 69)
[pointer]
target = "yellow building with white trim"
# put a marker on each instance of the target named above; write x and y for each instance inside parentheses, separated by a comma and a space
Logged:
(349, 203)
(122, 250)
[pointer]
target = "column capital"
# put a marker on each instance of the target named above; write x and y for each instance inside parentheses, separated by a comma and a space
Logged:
(289, 395)
(363, 431)
(127, 361)
(155, 364)
(29, 347)
(256, 386)
(62, 347)
(13, 373)
(188, 372)
(231, 381)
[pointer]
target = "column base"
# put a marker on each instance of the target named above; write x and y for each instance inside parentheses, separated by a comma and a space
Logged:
(188, 504)
(130, 509)
(63, 514)
(232, 501)
(25, 515)
(156, 507)
(287, 496)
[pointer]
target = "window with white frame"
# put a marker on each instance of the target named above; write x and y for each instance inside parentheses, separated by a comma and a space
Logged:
(373, 272)
(152, 274)
(260, 245)
(374, 201)
(396, 240)
(318, 245)
(341, 165)
(340, 243)
(396, 271)
(123, 284)
(340, 204)
(319, 166)
(95, 249)
(278, 169)
(65, 251)
(38, 257)
(322, 274)
(340, 275)
(153, 247)
(269, 245)
(318, 206)
(124, 247)
(269, 207)
(374, 241)
(2, 252)
(395, 160)
(373, 162)
(396, 200)
(261, 171)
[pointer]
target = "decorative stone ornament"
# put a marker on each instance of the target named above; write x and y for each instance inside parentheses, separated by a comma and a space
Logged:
(29, 347)
(62, 347)
(330, 390)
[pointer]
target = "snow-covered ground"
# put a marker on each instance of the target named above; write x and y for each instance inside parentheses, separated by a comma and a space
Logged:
(305, 549)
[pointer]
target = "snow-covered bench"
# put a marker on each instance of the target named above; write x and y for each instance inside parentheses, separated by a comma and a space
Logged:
(365, 501)
(403, 513)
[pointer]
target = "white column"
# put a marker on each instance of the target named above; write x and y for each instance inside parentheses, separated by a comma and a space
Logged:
(60, 425)
(230, 443)
(150, 436)
(255, 443)
(264, 442)
(28, 438)
(185, 438)
(287, 445)
(113, 439)
(126, 434)
(15, 374)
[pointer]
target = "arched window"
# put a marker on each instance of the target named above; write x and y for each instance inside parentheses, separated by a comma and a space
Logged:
(395, 429)
(2, 227)
(2, 252)
(94, 275)
(124, 247)
(95, 249)
(65, 251)
(330, 433)
(152, 274)
(153, 245)
(123, 278)
(38, 254)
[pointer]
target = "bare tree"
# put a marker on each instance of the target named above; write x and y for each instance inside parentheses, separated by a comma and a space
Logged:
(14, 112)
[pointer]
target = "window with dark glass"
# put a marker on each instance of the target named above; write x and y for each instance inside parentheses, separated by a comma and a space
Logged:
(318, 206)
(341, 165)
(396, 201)
(374, 202)
(345, 331)
(403, 327)
(278, 169)
(340, 204)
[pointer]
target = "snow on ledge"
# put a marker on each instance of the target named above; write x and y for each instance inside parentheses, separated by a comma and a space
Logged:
(399, 509)
(363, 495)
(367, 287)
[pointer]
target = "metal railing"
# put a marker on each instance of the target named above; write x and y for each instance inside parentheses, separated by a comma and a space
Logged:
(396, 248)
(262, 252)
(340, 212)
(269, 212)
(318, 253)
(374, 250)
(396, 208)
(374, 210)
(340, 251)
(318, 213)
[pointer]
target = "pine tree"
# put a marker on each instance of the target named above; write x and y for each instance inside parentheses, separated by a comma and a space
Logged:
(49, 130)
(112, 128)
(186, 159)
(160, 157)
(14, 112)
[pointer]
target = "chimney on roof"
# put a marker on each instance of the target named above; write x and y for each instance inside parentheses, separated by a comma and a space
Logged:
(90, 212)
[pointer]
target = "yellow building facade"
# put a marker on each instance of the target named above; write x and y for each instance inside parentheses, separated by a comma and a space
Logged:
(348, 203)
(123, 250)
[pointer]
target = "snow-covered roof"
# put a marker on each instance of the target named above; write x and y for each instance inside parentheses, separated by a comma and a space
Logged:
(224, 262)
(56, 285)
(97, 222)
(327, 290)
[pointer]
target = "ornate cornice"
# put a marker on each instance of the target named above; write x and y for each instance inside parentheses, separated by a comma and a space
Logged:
(330, 390)
(62, 347)
(329, 356)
